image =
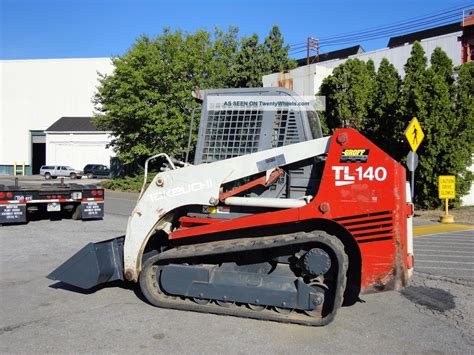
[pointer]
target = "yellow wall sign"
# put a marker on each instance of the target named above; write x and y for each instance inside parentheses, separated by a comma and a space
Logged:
(414, 134)
(447, 186)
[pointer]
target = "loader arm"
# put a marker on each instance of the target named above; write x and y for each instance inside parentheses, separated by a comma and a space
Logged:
(199, 185)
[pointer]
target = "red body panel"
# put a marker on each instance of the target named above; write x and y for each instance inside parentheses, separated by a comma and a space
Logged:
(363, 190)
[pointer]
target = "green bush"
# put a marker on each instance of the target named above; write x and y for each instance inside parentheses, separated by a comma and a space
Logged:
(127, 183)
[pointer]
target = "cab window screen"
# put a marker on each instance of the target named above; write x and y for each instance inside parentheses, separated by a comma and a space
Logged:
(231, 133)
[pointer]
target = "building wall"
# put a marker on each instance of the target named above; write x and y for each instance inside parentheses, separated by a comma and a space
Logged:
(398, 56)
(36, 93)
(305, 80)
(77, 149)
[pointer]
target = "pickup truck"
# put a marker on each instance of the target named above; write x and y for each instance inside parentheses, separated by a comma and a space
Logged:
(55, 171)
(80, 202)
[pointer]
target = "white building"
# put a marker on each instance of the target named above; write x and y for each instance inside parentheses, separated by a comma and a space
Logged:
(75, 141)
(307, 79)
(34, 94)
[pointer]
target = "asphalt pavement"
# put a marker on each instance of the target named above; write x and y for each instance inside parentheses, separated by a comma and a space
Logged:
(433, 314)
(446, 254)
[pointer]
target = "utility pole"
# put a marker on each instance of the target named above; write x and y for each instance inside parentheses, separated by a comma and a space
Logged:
(312, 44)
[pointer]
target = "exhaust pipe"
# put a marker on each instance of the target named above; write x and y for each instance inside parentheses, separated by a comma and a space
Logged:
(95, 264)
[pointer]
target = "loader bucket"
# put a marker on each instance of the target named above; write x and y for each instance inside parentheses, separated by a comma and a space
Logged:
(93, 265)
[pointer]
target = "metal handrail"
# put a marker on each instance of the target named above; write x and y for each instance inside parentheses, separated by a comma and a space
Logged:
(170, 162)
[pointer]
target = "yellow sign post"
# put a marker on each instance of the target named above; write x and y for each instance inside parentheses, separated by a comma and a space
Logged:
(414, 134)
(446, 191)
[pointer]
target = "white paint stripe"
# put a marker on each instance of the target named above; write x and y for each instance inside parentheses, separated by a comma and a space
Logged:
(457, 237)
(451, 250)
(468, 234)
(462, 244)
(447, 236)
(446, 242)
(444, 262)
(469, 237)
(441, 268)
(444, 256)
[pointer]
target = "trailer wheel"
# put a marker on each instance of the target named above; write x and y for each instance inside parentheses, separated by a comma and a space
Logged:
(77, 214)
(47, 176)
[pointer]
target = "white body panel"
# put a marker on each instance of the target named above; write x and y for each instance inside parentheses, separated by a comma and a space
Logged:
(197, 185)
(409, 228)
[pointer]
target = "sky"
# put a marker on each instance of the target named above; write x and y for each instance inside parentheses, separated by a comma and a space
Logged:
(37, 29)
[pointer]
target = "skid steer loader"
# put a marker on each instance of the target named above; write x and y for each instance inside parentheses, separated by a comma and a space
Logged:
(272, 221)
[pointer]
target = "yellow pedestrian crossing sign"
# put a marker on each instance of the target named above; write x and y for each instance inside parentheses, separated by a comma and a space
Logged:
(414, 134)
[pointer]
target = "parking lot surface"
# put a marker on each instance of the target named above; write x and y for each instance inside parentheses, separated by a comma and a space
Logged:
(446, 254)
(433, 314)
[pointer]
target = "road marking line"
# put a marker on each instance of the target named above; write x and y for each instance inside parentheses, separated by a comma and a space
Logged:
(444, 262)
(442, 250)
(447, 243)
(444, 256)
(443, 268)
(451, 239)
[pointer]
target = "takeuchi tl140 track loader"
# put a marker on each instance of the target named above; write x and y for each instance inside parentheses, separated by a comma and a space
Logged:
(272, 221)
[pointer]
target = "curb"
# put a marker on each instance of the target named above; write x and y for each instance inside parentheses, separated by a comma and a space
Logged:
(439, 228)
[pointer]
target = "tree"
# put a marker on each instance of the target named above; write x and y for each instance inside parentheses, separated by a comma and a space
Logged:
(256, 59)
(382, 105)
(442, 65)
(146, 101)
(225, 49)
(384, 119)
(434, 152)
(463, 132)
(348, 94)
(413, 94)
(248, 68)
(429, 94)
(275, 56)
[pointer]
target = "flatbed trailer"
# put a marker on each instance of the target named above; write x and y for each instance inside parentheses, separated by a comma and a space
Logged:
(82, 202)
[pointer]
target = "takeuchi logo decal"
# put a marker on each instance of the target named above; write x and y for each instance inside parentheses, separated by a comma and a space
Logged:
(181, 190)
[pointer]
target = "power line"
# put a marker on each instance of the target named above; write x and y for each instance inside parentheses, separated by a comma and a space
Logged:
(401, 23)
(349, 41)
(386, 33)
(415, 24)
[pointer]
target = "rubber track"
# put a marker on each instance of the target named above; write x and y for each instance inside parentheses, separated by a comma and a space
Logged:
(250, 244)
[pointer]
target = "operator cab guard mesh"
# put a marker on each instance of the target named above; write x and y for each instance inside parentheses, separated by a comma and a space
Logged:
(226, 133)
